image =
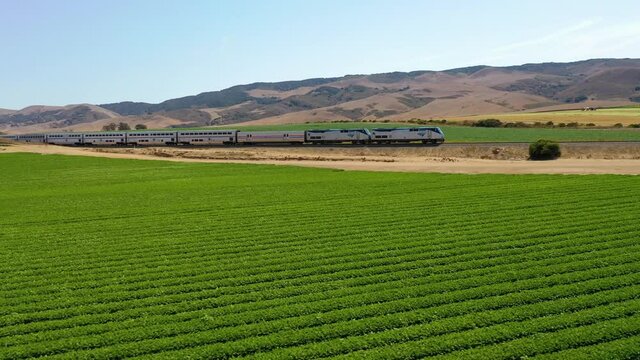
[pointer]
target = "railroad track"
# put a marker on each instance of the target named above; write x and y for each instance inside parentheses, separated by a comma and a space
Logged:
(389, 146)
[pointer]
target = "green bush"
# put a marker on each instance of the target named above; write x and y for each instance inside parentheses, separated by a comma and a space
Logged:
(488, 123)
(544, 150)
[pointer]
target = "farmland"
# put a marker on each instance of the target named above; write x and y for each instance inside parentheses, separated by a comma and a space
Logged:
(479, 134)
(606, 116)
(106, 258)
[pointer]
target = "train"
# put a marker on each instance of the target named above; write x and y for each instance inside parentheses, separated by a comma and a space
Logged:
(425, 135)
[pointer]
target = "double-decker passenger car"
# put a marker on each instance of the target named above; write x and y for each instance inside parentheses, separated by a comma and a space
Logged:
(354, 136)
(265, 137)
(151, 137)
(427, 135)
(104, 138)
(66, 138)
(31, 138)
(207, 137)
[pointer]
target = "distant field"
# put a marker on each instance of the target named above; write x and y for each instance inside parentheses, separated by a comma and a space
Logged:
(105, 258)
(477, 134)
(608, 116)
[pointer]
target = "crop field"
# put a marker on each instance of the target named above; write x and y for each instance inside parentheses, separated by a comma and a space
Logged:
(606, 116)
(107, 258)
(479, 134)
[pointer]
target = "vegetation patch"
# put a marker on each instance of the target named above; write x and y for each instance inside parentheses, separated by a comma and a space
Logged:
(415, 102)
(544, 150)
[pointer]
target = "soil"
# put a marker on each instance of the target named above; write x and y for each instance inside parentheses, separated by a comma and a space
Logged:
(465, 160)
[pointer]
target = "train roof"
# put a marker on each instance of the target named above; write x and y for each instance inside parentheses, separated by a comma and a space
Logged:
(408, 128)
(328, 130)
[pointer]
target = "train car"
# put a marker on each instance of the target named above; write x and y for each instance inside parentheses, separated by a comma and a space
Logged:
(354, 136)
(270, 137)
(9, 137)
(104, 138)
(31, 138)
(427, 135)
(152, 137)
(67, 138)
(207, 137)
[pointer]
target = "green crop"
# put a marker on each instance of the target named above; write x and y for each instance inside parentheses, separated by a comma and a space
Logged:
(105, 258)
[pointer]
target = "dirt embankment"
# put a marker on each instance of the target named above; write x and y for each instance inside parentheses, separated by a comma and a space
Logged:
(473, 159)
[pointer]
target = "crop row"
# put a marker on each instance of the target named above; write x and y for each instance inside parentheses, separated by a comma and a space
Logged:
(105, 255)
(539, 288)
(252, 283)
(466, 236)
(341, 288)
(302, 220)
(393, 273)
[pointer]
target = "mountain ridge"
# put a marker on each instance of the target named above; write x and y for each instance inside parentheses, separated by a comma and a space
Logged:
(474, 90)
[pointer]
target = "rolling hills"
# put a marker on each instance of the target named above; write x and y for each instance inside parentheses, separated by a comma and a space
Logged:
(455, 93)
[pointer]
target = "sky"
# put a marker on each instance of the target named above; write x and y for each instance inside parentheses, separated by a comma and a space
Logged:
(57, 52)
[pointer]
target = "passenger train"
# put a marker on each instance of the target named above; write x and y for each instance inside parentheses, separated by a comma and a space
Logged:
(425, 135)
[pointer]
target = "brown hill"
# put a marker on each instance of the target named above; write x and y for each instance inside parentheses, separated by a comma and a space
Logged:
(396, 96)
(53, 117)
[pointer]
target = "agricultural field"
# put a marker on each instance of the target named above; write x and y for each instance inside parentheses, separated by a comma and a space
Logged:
(106, 258)
(478, 134)
(605, 116)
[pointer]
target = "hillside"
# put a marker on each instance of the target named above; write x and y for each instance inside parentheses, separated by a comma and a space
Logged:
(452, 93)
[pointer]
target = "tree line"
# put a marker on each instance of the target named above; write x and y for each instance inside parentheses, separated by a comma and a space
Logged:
(122, 126)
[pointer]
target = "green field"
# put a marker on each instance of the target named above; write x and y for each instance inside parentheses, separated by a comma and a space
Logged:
(604, 116)
(106, 258)
(478, 134)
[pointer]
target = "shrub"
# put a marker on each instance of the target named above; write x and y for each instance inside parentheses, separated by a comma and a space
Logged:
(110, 127)
(141, 126)
(635, 126)
(618, 125)
(549, 123)
(124, 126)
(562, 125)
(488, 123)
(544, 150)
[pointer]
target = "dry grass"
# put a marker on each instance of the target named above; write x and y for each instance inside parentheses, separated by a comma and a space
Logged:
(608, 117)
(579, 159)
(381, 154)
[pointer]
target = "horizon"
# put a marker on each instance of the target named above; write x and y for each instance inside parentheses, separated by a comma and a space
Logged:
(130, 52)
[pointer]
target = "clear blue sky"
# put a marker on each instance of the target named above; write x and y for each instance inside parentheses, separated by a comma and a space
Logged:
(60, 52)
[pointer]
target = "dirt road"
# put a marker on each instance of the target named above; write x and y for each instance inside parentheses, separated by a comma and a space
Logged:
(407, 160)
